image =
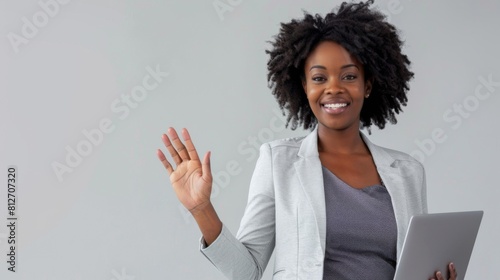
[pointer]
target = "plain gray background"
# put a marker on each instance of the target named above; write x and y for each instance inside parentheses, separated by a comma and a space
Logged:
(115, 216)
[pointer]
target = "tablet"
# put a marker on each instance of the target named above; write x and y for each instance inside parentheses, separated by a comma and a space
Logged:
(434, 240)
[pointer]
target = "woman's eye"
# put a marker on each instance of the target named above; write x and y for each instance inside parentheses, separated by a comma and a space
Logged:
(350, 77)
(318, 79)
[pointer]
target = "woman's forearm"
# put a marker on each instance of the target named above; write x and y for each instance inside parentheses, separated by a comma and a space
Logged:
(209, 223)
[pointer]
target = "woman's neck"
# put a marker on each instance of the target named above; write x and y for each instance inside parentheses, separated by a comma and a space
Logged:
(346, 141)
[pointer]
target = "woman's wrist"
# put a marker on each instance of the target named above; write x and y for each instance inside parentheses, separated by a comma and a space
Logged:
(202, 209)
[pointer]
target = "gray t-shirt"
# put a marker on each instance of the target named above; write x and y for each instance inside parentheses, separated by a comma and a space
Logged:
(361, 231)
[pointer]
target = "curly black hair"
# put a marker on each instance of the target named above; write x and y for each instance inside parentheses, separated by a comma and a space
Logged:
(366, 35)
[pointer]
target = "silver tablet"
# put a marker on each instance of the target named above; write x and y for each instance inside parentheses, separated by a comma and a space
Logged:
(434, 240)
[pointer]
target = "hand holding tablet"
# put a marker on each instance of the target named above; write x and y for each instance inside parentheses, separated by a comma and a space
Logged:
(437, 243)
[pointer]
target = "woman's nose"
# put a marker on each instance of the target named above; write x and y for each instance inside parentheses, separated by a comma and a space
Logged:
(333, 86)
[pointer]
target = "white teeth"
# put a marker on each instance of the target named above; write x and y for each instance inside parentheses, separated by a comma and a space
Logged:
(335, 105)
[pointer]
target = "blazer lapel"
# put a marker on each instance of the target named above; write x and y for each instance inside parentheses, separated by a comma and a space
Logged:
(310, 174)
(394, 183)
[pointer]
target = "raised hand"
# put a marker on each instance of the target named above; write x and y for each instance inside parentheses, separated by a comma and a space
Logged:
(191, 178)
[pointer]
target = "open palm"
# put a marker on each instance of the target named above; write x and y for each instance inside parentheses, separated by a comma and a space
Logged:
(191, 179)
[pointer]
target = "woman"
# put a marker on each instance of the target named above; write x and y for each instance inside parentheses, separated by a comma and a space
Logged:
(332, 204)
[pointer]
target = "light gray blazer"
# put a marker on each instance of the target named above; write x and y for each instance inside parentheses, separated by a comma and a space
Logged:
(286, 210)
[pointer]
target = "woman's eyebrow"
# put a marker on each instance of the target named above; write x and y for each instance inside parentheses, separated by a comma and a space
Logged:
(324, 68)
(317, 66)
(349, 65)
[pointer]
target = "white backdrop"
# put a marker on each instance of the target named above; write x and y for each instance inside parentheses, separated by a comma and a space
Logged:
(88, 87)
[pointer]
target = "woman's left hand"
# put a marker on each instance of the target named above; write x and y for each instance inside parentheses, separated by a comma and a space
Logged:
(452, 272)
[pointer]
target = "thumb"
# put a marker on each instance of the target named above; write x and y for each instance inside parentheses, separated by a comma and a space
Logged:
(205, 168)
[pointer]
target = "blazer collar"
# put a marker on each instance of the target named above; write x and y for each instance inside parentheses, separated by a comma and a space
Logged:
(309, 148)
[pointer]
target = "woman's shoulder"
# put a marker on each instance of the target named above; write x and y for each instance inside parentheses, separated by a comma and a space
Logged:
(289, 142)
(399, 156)
(284, 146)
(384, 151)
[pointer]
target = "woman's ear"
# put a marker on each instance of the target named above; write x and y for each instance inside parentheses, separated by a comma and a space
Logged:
(304, 84)
(368, 87)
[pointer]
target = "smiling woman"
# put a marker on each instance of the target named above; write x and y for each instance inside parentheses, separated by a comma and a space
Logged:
(368, 39)
(331, 204)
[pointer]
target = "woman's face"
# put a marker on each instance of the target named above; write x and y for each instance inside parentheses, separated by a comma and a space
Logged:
(335, 86)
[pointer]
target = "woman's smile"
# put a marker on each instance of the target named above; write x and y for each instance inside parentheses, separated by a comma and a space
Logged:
(335, 106)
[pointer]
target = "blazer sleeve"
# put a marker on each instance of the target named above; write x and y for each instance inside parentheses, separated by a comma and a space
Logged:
(246, 255)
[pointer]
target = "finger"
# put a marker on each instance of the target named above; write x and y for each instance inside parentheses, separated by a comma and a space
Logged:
(165, 162)
(181, 149)
(205, 168)
(189, 145)
(173, 152)
(453, 271)
(439, 275)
